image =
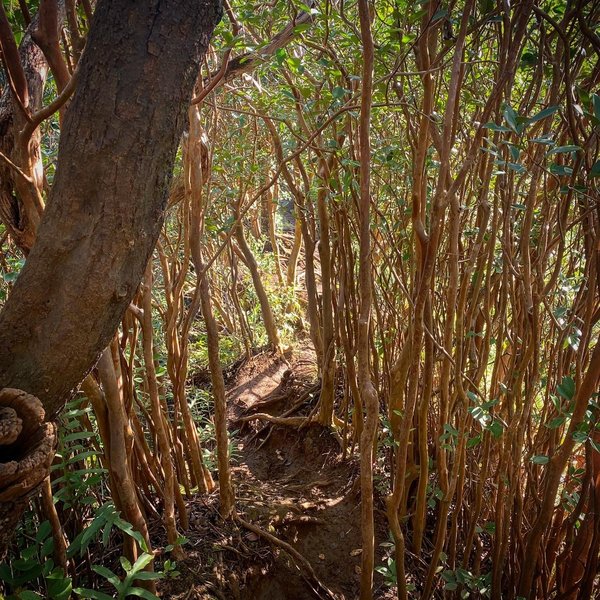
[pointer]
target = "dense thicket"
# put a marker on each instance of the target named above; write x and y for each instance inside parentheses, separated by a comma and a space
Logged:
(409, 189)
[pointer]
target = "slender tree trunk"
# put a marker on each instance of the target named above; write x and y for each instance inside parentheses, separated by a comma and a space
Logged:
(164, 448)
(265, 306)
(368, 393)
(120, 442)
(326, 400)
(195, 178)
(555, 469)
(49, 509)
(273, 233)
(295, 253)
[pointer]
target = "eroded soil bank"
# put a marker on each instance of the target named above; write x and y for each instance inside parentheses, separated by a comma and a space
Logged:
(293, 482)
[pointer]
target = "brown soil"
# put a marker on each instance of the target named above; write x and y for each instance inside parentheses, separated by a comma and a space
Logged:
(291, 482)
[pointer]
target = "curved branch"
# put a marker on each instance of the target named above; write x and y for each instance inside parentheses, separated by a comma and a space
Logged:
(249, 61)
(46, 112)
(12, 62)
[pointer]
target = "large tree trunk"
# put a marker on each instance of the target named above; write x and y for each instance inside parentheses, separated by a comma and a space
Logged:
(105, 210)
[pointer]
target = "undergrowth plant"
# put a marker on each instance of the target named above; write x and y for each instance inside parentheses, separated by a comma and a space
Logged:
(81, 496)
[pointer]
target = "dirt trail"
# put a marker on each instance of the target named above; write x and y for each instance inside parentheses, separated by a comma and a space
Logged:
(291, 482)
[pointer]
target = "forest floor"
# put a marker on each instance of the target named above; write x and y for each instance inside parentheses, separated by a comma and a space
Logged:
(292, 482)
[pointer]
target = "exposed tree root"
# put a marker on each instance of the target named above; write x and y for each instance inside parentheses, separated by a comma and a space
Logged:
(319, 588)
(287, 421)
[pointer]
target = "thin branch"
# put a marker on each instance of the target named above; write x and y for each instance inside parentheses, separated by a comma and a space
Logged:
(305, 567)
(47, 37)
(47, 111)
(12, 62)
(25, 11)
(12, 165)
(214, 81)
(249, 61)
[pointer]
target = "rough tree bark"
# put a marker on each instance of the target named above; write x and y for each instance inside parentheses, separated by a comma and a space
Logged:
(105, 210)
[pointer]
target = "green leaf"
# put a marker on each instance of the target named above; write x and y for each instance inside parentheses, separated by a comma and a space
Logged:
(93, 594)
(495, 127)
(82, 456)
(144, 560)
(338, 92)
(557, 169)
(47, 547)
(59, 586)
(43, 532)
(127, 528)
(448, 428)
(566, 388)
(595, 171)
(5, 573)
(529, 59)
(540, 460)
(107, 574)
(563, 149)
(10, 277)
(125, 563)
(495, 428)
(106, 533)
(487, 405)
(82, 541)
(556, 422)
(546, 140)
(511, 117)
(136, 591)
(181, 540)
(29, 553)
(31, 573)
(516, 167)
(305, 7)
(543, 114)
(440, 14)
(148, 575)
(560, 311)
(28, 595)
(596, 105)
(515, 151)
(471, 443)
(78, 435)
(302, 27)
(490, 527)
